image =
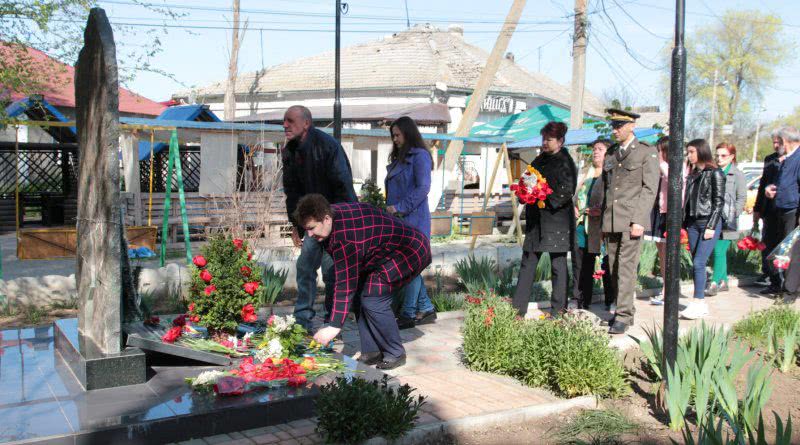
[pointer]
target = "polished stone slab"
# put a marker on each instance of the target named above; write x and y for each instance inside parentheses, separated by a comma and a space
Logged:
(148, 338)
(93, 368)
(42, 402)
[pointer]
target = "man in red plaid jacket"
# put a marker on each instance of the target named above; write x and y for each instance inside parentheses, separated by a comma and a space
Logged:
(374, 254)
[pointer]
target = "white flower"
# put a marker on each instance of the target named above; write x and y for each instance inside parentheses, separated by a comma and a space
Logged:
(283, 324)
(274, 349)
(246, 338)
(207, 378)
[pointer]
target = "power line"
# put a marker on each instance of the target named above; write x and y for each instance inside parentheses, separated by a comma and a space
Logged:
(165, 25)
(738, 19)
(639, 24)
(450, 19)
(598, 46)
(622, 41)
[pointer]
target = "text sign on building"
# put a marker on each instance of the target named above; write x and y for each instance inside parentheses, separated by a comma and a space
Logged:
(498, 104)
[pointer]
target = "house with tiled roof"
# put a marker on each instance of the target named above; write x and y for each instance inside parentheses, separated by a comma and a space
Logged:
(410, 70)
(58, 90)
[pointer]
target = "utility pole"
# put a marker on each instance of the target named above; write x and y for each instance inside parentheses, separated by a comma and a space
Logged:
(485, 80)
(677, 114)
(229, 104)
(713, 109)
(578, 65)
(408, 20)
(337, 101)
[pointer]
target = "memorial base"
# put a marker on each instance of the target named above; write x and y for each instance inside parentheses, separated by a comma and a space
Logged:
(92, 368)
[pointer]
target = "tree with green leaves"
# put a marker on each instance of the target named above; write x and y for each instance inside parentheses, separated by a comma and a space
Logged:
(745, 49)
(55, 27)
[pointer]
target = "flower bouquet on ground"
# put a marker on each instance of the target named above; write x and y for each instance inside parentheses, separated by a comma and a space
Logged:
(532, 188)
(781, 255)
(281, 339)
(251, 376)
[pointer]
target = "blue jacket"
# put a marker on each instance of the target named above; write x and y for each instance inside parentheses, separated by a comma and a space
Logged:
(407, 186)
(787, 196)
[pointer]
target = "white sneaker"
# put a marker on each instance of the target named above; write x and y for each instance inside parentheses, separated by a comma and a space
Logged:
(696, 309)
(657, 300)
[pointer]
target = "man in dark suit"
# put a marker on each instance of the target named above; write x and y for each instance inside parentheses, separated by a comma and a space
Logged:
(630, 177)
(374, 254)
(764, 207)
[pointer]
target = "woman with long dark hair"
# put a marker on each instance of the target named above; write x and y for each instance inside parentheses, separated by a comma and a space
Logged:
(408, 181)
(550, 228)
(705, 197)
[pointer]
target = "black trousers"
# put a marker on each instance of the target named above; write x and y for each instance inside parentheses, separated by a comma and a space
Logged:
(377, 326)
(583, 279)
(777, 226)
(527, 274)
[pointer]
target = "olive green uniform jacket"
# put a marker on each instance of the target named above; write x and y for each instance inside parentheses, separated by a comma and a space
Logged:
(631, 179)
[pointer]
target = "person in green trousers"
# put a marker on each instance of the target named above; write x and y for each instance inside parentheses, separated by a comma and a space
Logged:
(735, 197)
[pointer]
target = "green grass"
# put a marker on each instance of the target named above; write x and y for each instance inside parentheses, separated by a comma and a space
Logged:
(447, 302)
(754, 329)
(596, 427)
(32, 315)
(72, 303)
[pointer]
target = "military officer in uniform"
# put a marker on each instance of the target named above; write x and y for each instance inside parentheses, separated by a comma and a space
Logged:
(630, 176)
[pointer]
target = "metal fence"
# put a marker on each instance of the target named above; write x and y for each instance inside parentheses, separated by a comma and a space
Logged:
(190, 167)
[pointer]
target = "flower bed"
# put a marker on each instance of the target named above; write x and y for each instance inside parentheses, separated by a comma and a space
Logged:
(568, 355)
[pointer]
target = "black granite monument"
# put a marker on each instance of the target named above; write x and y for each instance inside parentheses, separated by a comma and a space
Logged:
(107, 298)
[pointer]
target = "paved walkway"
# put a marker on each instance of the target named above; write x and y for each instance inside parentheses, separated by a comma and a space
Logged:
(434, 368)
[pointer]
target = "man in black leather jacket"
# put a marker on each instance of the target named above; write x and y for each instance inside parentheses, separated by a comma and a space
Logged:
(764, 210)
(313, 162)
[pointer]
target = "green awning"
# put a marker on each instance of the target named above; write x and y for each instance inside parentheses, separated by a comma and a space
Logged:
(521, 126)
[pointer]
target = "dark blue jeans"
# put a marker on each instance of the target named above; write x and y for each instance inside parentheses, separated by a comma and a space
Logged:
(312, 256)
(415, 298)
(701, 251)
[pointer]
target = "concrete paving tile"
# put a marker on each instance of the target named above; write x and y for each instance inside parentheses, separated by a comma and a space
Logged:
(264, 439)
(219, 438)
(302, 431)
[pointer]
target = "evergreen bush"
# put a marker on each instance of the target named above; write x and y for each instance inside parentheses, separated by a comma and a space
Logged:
(226, 285)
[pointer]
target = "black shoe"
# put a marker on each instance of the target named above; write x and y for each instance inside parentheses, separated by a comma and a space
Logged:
(618, 328)
(608, 322)
(392, 363)
(771, 290)
(426, 317)
(371, 358)
(405, 322)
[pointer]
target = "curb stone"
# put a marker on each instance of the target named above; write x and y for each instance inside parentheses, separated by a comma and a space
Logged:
(430, 432)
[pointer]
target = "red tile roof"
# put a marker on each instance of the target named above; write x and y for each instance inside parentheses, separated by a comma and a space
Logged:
(59, 87)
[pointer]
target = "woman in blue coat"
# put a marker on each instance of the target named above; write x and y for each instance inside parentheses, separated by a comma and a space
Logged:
(408, 181)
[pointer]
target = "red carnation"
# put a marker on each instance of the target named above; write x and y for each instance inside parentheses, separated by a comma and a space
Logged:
(760, 246)
(249, 256)
(205, 275)
(249, 313)
(297, 380)
(191, 307)
(195, 319)
(210, 289)
(180, 320)
(238, 243)
(251, 287)
(199, 261)
(173, 334)
(246, 271)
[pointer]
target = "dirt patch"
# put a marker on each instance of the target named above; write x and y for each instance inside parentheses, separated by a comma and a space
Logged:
(26, 319)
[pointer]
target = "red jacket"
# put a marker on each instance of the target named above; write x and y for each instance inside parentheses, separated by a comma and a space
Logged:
(373, 252)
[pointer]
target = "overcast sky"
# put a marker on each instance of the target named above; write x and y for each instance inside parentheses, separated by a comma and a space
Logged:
(197, 56)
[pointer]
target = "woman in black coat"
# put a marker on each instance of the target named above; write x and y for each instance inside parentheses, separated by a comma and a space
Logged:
(552, 228)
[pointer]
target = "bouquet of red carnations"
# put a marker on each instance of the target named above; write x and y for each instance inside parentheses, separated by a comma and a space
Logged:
(532, 188)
